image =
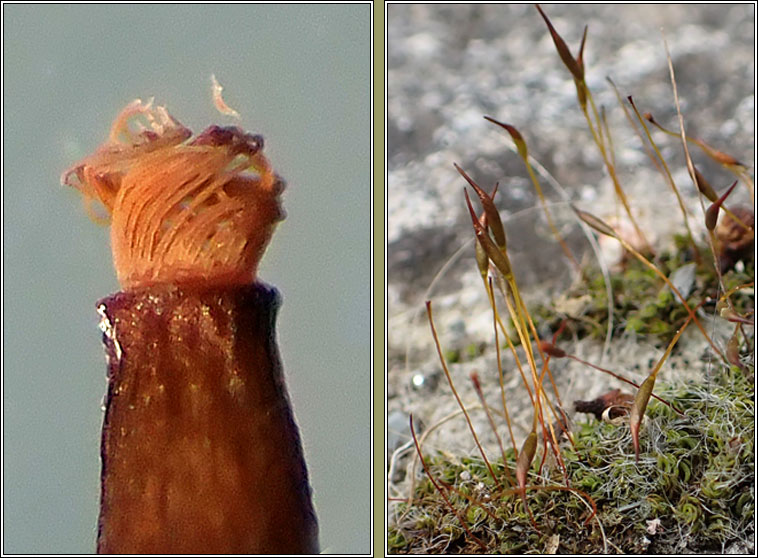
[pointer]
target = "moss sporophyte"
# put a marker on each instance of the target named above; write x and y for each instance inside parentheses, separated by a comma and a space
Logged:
(200, 450)
(662, 464)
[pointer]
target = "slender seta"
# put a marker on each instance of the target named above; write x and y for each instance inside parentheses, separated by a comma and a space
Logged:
(200, 450)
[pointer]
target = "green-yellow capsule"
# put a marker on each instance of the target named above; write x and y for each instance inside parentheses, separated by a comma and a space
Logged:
(524, 461)
(638, 411)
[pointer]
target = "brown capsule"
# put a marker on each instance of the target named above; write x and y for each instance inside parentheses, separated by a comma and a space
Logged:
(482, 261)
(516, 136)
(712, 213)
(704, 186)
(498, 258)
(524, 461)
(638, 411)
(735, 241)
(200, 451)
(525, 458)
(490, 211)
(573, 66)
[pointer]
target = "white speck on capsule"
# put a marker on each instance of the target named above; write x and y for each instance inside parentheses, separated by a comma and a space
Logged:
(109, 330)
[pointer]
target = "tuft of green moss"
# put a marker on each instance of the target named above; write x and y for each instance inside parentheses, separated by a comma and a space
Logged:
(693, 486)
(646, 305)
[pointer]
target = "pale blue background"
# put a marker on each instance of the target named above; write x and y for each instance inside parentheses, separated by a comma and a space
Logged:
(299, 75)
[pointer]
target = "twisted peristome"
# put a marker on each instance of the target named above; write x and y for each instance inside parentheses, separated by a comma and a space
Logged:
(182, 212)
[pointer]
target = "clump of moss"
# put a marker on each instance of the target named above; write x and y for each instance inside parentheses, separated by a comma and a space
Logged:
(693, 486)
(645, 305)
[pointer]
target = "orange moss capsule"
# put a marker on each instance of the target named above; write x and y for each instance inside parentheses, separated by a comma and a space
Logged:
(200, 450)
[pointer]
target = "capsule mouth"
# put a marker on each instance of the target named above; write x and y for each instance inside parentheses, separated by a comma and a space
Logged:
(182, 210)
